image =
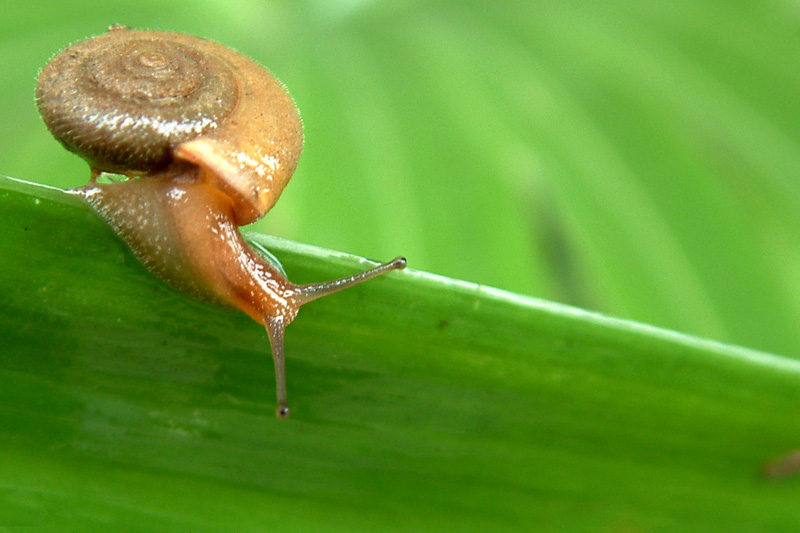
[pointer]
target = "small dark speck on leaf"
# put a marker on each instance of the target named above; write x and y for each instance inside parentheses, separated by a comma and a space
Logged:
(785, 466)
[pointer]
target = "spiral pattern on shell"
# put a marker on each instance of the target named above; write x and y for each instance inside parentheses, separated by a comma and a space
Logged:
(122, 104)
(143, 102)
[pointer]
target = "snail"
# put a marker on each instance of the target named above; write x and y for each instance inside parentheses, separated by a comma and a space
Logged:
(207, 140)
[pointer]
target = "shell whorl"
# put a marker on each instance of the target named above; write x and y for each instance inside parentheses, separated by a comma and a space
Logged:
(137, 101)
(123, 105)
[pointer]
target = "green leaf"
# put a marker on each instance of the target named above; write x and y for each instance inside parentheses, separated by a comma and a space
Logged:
(419, 403)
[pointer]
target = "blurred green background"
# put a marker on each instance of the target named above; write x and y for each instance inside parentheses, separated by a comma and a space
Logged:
(637, 158)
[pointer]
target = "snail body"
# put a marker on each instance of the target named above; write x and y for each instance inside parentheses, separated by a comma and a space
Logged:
(212, 140)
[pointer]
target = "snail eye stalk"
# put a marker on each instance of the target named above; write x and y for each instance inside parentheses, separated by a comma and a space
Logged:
(173, 109)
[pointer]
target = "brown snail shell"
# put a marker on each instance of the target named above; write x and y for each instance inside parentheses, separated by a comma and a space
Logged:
(214, 139)
(136, 102)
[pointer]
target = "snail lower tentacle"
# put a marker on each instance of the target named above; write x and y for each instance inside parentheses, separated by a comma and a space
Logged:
(212, 261)
(215, 138)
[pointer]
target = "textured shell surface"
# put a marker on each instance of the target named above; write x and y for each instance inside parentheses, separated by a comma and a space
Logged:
(122, 104)
(135, 102)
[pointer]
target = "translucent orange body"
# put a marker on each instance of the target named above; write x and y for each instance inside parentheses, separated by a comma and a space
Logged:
(211, 139)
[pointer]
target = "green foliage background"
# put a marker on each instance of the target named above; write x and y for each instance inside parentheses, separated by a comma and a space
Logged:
(636, 158)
